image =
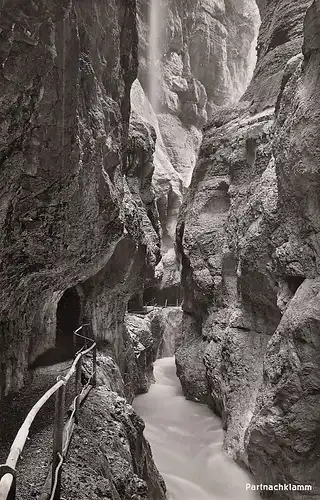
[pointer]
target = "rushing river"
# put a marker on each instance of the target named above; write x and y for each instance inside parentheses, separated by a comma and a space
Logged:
(186, 441)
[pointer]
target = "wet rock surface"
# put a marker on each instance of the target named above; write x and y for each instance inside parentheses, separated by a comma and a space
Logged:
(206, 57)
(109, 456)
(73, 215)
(55, 150)
(248, 236)
(79, 227)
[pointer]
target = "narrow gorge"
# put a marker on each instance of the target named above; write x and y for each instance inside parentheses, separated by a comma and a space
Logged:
(159, 191)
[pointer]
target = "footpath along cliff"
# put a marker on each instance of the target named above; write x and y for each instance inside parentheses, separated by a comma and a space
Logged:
(79, 233)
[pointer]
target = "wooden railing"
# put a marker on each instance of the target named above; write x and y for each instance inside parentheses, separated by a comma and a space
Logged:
(62, 432)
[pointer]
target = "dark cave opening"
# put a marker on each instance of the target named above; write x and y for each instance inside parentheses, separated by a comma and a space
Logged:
(135, 304)
(294, 282)
(68, 320)
(280, 36)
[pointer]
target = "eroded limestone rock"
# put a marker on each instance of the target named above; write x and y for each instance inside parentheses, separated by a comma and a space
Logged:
(248, 237)
(76, 210)
(109, 456)
(206, 58)
(154, 335)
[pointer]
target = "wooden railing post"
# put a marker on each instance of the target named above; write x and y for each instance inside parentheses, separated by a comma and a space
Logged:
(77, 387)
(94, 366)
(58, 440)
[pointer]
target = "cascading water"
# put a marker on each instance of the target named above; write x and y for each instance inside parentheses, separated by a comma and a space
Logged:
(186, 440)
(155, 23)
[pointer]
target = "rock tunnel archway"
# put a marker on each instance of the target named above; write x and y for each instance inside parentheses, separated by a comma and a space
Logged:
(68, 320)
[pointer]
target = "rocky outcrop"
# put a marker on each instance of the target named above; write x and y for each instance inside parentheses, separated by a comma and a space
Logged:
(207, 54)
(145, 349)
(109, 456)
(189, 361)
(248, 240)
(153, 335)
(77, 212)
(280, 38)
(285, 424)
(206, 57)
(166, 324)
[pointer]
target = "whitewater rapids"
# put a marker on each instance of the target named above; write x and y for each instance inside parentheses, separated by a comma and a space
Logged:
(186, 440)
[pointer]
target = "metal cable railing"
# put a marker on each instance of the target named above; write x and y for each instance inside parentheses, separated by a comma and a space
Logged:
(62, 433)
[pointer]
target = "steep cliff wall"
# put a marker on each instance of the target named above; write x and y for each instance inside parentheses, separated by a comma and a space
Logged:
(72, 215)
(117, 467)
(206, 57)
(79, 233)
(287, 411)
(280, 38)
(248, 237)
(109, 455)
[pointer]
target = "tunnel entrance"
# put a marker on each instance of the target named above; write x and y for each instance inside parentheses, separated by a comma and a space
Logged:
(169, 296)
(136, 305)
(68, 320)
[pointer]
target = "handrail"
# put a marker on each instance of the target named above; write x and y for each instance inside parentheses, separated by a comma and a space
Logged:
(7, 480)
(79, 335)
(22, 435)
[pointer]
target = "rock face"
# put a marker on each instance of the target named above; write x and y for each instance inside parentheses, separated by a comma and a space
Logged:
(77, 212)
(248, 237)
(153, 336)
(205, 59)
(145, 348)
(110, 465)
(206, 54)
(168, 187)
(109, 456)
(166, 324)
(280, 38)
(79, 226)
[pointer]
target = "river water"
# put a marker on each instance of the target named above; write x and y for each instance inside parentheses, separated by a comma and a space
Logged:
(186, 440)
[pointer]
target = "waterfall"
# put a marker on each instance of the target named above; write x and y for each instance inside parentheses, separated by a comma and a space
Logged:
(155, 23)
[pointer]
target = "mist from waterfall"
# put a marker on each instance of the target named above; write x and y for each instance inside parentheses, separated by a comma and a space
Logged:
(155, 24)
